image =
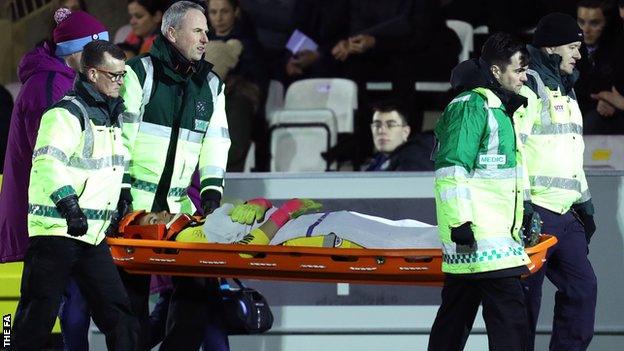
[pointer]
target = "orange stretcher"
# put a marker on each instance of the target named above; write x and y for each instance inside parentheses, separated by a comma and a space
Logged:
(143, 250)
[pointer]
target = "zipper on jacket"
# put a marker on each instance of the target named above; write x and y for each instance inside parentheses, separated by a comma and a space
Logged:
(515, 150)
(162, 191)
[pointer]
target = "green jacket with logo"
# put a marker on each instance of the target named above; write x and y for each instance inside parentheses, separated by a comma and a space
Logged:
(553, 137)
(174, 123)
(79, 151)
(479, 179)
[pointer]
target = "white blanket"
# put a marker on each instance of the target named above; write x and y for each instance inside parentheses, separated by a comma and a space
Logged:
(367, 231)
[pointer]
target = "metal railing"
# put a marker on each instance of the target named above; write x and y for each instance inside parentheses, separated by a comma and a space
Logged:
(18, 9)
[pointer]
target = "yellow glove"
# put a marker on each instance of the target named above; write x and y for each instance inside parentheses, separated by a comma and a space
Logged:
(250, 212)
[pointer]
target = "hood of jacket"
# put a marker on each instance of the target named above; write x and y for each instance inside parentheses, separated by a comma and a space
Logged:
(41, 59)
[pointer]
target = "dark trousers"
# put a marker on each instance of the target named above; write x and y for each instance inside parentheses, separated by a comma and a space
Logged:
(138, 289)
(190, 315)
(504, 313)
(194, 304)
(215, 335)
(48, 264)
(569, 269)
(75, 318)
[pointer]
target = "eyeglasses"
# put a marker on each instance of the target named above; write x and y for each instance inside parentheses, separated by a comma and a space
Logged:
(114, 77)
(376, 125)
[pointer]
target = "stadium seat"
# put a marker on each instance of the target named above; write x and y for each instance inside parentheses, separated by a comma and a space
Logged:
(275, 97)
(336, 94)
(465, 34)
(299, 137)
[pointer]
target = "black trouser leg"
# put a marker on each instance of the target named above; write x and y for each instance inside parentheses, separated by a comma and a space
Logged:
(158, 318)
(505, 314)
(100, 284)
(460, 301)
(192, 302)
(47, 267)
(138, 288)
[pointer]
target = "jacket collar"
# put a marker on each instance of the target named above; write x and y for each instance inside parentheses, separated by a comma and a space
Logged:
(547, 66)
(85, 90)
(175, 65)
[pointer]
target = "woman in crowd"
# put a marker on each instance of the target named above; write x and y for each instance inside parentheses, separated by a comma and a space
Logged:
(145, 18)
(235, 52)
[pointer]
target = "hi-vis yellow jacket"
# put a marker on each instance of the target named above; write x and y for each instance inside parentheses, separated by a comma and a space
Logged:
(479, 179)
(552, 138)
(79, 151)
(174, 124)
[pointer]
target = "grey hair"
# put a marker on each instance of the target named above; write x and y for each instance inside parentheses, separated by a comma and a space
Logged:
(175, 13)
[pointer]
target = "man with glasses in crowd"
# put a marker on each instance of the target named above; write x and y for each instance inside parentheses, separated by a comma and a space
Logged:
(396, 151)
(76, 175)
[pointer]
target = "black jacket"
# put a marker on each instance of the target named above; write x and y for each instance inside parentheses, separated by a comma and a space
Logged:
(413, 155)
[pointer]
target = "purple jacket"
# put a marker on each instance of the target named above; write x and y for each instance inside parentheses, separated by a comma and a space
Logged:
(45, 80)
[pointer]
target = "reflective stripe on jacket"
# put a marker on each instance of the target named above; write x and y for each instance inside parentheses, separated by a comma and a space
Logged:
(478, 179)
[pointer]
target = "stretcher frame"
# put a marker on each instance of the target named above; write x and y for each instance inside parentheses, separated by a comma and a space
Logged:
(369, 266)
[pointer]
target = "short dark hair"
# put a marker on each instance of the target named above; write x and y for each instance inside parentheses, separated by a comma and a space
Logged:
(151, 6)
(386, 106)
(234, 3)
(609, 10)
(93, 53)
(500, 47)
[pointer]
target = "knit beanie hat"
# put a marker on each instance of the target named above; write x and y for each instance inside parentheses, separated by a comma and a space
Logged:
(556, 29)
(74, 30)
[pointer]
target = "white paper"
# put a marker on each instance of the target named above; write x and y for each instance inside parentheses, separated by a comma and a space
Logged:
(300, 42)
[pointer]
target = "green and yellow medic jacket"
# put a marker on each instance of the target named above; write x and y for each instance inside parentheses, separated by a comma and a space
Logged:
(553, 137)
(173, 124)
(79, 151)
(478, 179)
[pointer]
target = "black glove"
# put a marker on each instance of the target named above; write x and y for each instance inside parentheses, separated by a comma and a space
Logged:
(585, 212)
(210, 200)
(76, 220)
(463, 235)
(124, 206)
(531, 225)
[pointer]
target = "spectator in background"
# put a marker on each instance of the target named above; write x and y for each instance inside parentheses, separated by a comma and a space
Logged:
(325, 22)
(274, 23)
(6, 106)
(401, 41)
(602, 34)
(145, 18)
(409, 36)
(233, 44)
(47, 73)
(396, 151)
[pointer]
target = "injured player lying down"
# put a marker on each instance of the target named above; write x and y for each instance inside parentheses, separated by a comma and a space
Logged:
(290, 225)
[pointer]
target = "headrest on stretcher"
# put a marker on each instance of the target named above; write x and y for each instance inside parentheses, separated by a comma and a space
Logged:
(130, 229)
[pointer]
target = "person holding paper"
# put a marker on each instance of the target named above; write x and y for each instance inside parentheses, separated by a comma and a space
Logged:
(319, 26)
